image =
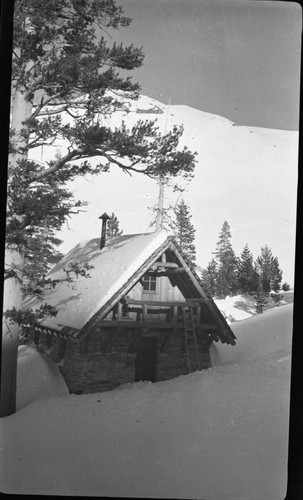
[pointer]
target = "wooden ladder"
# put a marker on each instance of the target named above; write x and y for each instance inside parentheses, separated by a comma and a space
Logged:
(190, 335)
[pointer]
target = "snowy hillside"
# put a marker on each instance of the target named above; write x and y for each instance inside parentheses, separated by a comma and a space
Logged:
(240, 307)
(220, 434)
(245, 175)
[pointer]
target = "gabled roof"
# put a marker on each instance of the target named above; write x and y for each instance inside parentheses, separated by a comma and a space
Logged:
(116, 269)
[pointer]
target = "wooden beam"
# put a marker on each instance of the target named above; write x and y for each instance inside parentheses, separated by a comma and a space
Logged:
(158, 325)
(208, 326)
(119, 311)
(177, 270)
(175, 314)
(159, 271)
(187, 303)
(199, 315)
(144, 312)
(171, 265)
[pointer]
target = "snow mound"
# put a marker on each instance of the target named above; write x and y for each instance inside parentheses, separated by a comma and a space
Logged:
(38, 377)
(261, 337)
(237, 307)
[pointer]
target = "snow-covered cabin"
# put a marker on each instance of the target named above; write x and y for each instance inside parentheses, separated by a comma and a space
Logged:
(140, 315)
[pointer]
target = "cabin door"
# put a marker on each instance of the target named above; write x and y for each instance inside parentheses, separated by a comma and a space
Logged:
(146, 359)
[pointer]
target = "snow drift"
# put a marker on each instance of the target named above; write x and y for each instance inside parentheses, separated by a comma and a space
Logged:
(38, 376)
(221, 434)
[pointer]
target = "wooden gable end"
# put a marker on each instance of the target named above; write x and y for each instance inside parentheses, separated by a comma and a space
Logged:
(173, 286)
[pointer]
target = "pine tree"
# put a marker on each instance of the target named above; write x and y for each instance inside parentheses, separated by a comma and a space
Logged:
(269, 270)
(260, 299)
(112, 228)
(184, 232)
(209, 278)
(227, 283)
(285, 287)
(277, 298)
(247, 275)
(65, 81)
(277, 274)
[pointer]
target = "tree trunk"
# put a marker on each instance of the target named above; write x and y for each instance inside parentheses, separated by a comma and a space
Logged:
(12, 297)
(12, 291)
(160, 207)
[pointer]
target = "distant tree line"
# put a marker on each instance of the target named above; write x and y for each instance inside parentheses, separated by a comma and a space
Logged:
(227, 274)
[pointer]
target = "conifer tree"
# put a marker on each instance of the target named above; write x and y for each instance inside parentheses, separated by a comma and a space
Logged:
(260, 299)
(277, 274)
(209, 278)
(112, 228)
(268, 270)
(227, 282)
(247, 275)
(285, 287)
(184, 232)
(65, 81)
(277, 298)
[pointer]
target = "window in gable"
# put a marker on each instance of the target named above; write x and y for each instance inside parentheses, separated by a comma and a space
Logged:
(149, 284)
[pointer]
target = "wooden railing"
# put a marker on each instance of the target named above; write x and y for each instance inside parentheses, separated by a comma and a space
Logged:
(168, 311)
(143, 312)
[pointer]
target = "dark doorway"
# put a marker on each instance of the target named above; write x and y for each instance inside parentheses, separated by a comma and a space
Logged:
(146, 359)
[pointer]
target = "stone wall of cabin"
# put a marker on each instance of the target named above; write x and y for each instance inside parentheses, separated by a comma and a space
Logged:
(106, 358)
(99, 363)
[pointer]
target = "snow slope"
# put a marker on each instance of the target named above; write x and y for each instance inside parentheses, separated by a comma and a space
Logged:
(245, 175)
(220, 434)
(240, 307)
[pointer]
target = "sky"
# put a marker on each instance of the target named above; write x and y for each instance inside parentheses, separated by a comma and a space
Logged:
(236, 58)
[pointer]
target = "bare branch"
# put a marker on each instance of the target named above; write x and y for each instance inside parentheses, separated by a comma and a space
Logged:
(127, 168)
(53, 112)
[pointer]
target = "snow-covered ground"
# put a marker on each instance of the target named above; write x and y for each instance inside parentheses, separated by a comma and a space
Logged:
(220, 434)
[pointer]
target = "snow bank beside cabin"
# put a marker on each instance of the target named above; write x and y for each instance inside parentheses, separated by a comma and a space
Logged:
(265, 337)
(37, 377)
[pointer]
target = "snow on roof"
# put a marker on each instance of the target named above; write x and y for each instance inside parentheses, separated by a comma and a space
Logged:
(78, 300)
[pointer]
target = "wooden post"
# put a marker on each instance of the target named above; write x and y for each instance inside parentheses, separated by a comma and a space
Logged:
(175, 315)
(119, 312)
(198, 315)
(144, 312)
